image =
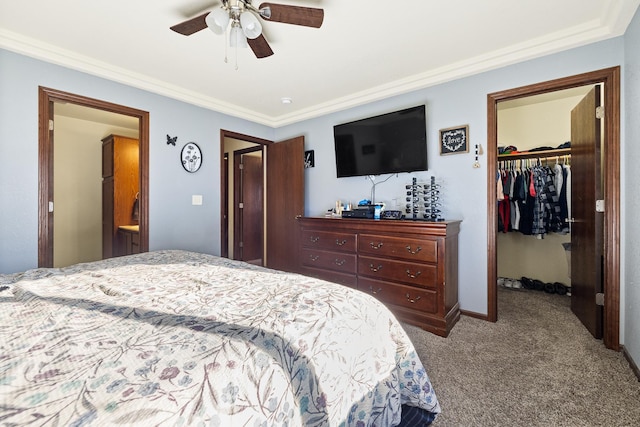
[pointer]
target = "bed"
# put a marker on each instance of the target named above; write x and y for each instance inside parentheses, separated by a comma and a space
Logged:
(177, 338)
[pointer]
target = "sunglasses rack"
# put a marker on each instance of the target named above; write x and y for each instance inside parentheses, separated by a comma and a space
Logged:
(423, 200)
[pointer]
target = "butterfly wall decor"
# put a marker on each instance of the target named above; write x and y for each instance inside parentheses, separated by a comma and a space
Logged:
(171, 141)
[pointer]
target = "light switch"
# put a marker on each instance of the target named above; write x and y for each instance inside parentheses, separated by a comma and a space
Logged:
(196, 199)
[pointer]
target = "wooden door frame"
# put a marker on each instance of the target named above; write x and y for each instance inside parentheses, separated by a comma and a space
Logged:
(610, 78)
(46, 98)
(224, 235)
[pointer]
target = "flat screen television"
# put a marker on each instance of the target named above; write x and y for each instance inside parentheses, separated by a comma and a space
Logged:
(389, 143)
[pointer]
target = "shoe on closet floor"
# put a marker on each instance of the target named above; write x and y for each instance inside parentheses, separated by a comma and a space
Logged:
(561, 289)
(538, 285)
(526, 283)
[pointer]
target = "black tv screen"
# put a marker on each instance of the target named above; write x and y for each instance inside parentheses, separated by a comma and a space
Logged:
(389, 143)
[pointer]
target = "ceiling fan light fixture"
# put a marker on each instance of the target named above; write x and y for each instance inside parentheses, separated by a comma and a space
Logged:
(237, 37)
(241, 22)
(265, 12)
(250, 24)
(217, 21)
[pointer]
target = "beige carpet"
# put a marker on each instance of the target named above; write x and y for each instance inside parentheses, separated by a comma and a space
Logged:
(536, 366)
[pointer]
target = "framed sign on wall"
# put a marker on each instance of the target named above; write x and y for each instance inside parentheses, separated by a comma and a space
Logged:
(454, 140)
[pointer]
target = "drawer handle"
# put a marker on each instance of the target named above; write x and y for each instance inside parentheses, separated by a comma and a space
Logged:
(413, 276)
(340, 262)
(374, 292)
(314, 239)
(418, 249)
(378, 246)
(411, 300)
(314, 257)
(375, 269)
(340, 242)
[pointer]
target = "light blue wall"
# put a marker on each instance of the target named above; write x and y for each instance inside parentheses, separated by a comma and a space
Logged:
(464, 189)
(173, 221)
(630, 156)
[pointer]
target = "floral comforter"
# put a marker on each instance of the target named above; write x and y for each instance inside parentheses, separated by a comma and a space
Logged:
(180, 338)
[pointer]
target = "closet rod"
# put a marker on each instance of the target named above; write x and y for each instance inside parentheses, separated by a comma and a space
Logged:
(536, 154)
(532, 161)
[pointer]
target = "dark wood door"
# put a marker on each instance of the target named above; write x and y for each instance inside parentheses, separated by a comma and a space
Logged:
(586, 230)
(252, 218)
(285, 202)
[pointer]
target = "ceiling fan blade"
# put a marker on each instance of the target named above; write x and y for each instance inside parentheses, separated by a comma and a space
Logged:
(297, 15)
(260, 47)
(191, 26)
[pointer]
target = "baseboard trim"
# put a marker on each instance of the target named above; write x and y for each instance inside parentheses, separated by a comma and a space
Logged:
(474, 314)
(633, 365)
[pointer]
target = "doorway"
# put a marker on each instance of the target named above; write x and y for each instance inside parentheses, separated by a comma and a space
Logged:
(610, 79)
(283, 186)
(240, 217)
(48, 98)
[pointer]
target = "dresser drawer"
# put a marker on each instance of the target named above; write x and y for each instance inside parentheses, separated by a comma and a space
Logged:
(345, 279)
(345, 242)
(335, 261)
(423, 250)
(424, 275)
(423, 300)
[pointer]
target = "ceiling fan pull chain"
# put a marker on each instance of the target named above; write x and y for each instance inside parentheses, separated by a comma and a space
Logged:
(226, 44)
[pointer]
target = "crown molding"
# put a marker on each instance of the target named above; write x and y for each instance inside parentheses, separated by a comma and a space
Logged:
(614, 23)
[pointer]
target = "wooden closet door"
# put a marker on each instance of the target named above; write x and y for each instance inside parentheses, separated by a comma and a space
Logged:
(587, 226)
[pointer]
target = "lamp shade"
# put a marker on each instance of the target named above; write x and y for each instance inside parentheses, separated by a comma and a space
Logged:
(237, 38)
(217, 20)
(250, 24)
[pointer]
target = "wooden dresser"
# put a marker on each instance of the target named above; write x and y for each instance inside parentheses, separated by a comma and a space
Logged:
(411, 266)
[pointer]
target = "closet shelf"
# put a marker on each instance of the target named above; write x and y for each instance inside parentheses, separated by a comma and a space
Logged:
(536, 154)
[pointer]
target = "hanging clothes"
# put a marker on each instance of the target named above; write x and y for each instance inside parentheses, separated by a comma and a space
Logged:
(533, 200)
(505, 204)
(547, 213)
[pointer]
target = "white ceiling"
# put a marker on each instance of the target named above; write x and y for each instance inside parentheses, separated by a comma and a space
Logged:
(365, 50)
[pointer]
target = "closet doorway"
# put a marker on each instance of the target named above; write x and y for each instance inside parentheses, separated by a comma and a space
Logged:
(609, 233)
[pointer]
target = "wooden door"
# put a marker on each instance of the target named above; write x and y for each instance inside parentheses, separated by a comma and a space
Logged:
(285, 202)
(586, 230)
(251, 216)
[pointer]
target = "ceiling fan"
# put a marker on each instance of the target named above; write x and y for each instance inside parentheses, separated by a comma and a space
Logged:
(242, 17)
